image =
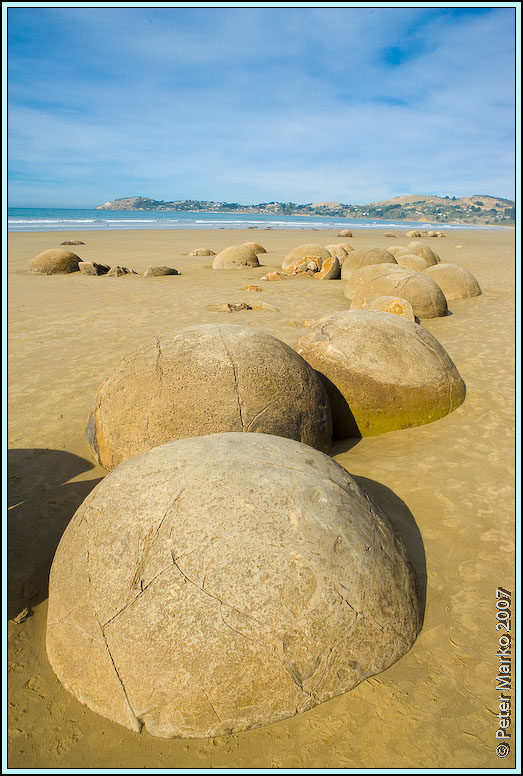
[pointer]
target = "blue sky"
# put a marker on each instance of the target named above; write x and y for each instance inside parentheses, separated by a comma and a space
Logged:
(258, 104)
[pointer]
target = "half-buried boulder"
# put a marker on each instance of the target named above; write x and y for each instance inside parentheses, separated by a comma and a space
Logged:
(235, 257)
(455, 281)
(256, 247)
(427, 299)
(345, 233)
(420, 249)
(382, 372)
(204, 380)
(93, 268)
(339, 250)
(413, 233)
(365, 257)
(309, 250)
(412, 261)
(56, 261)
(387, 304)
(221, 583)
(201, 252)
(153, 272)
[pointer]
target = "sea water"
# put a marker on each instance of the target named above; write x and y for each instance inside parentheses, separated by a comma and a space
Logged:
(68, 219)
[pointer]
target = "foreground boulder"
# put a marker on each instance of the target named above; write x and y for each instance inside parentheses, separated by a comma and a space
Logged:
(309, 250)
(365, 257)
(426, 298)
(153, 272)
(339, 251)
(330, 270)
(221, 583)
(382, 372)
(205, 380)
(56, 261)
(235, 257)
(455, 281)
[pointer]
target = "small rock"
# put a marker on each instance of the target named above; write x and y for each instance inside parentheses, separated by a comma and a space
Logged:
(389, 234)
(251, 288)
(273, 276)
(153, 272)
(92, 268)
(201, 252)
(118, 271)
(72, 242)
(23, 615)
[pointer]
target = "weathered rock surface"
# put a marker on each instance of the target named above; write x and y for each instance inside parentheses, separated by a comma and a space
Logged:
(389, 234)
(413, 233)
(201, 252)
(307, 250)
(92, 268)
(55, 261)
(339, 250)
(235, 257)
(456, 282)
(330, 270)
(205, 380)
(427, 299)
(251, 287)
(256, 247)
(412, 261)
(117, 272)
(345, 233)
(420, 249)
(387, 304)
(221, 583)
(153, 272)
(382, 372)
(72, 242)
(365, 257)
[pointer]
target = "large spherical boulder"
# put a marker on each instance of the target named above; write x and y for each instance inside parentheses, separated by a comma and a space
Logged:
(420, 249)
(255, 247)
(204, 380)
(455, 281)
(308, 249)
(382, 372)
(386, 304)
(427, 299)
(222, 583)
(339, 251)
(235, 257)
(412, 261)
(365, 257)
(56, 261)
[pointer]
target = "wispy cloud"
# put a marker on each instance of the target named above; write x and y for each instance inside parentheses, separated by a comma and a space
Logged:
(258, 104)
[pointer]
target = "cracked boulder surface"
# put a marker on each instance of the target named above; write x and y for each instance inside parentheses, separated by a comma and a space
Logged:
(382, 372)
(427, 298)
(207, 379)
(306, 250)
(221, 583)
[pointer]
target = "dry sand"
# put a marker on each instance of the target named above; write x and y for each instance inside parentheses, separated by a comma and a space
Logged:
(448, 487)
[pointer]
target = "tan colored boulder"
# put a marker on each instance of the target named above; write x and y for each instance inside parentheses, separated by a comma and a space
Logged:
(398, 250)
(365, 257)
(55, 261)
(221, 583)
(455, 281)
(92, 268)
(330, 270)
(252, 288)
(389, 234)
(274, 276)
(440, 234)
(382, 372)
(386, 304)
(427, 299)
(339, 251)
(420, 249)
(117, 272)
(204, 380)
(413, 233)
(235, 257)
(412, 261)
(345, 233)
(153, 272)
(72, 242)
(307, 250)
(430, 233)
(201, 252)
(256, 247)
(306, 265)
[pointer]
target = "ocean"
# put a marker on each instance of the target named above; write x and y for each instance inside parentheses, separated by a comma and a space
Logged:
(69, 219)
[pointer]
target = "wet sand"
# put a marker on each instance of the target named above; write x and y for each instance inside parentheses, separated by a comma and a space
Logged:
(448, 487)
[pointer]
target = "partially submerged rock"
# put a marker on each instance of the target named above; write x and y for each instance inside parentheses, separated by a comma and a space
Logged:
(235, 257)
(253, 246)
(420, 249)
(72, 242)
(386, 304)
(456, 282)
(339, 251)
(389, 234)
(204, 380)
(221, 583)
(365, 257)
(309, 250)
(345, 233)
(92, 268)
(413, 233)
(153, 272)
(117, 272)
(427, 299)
(201, 252)
(412, 261)
(55, 261)
(251, 288)
(382, 372)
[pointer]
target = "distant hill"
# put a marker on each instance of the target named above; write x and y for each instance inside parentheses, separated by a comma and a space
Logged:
(476, 209)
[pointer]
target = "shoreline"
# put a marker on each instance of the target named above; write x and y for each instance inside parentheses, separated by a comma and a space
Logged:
(448, 486)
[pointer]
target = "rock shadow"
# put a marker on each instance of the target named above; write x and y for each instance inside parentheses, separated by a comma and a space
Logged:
(41, 502)
(405, 525)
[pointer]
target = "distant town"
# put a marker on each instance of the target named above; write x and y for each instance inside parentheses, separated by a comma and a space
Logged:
(476, 209)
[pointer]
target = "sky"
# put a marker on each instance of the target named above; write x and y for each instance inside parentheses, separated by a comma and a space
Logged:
(255, 105)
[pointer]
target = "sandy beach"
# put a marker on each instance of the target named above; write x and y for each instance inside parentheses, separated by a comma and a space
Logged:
(448, 487)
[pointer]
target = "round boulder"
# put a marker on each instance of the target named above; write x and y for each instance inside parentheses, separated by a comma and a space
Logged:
(412, 261)
(345, 233)
(153, 272)
(256, 247)
(201, 252)
(56, 261)
(221, 583)
(420, 249)
(455, 281)
(387, 304)
(306, 250)
(365, 257)
(412, 233)
(235, 257)
(205, 380)
(427, 299)
(382, 372)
